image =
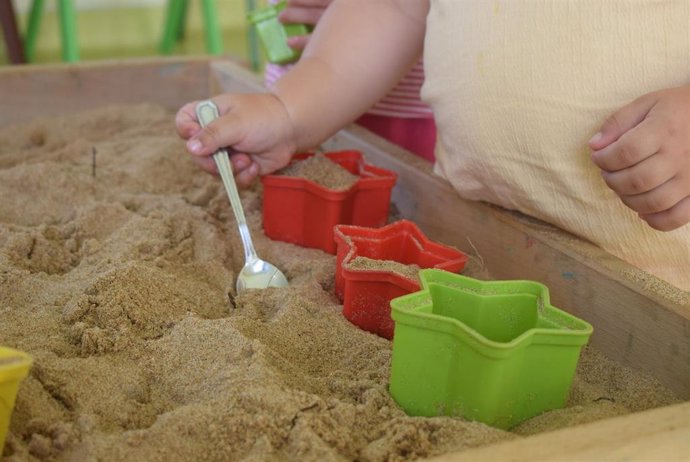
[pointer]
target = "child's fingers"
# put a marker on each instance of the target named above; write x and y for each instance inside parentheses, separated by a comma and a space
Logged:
(185, 121)
(309, 3)
(224, 131)
(199, 142)
(244, 169)
(622, 120)
(642, 177)
(268, 163)
(240, 161)
(246, 177)
(632, 147)
(658, 199)
(673, 218)
(301, 14)
(206, 163)
(298, 42)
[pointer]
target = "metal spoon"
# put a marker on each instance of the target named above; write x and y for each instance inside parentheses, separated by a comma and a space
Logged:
(256, 273)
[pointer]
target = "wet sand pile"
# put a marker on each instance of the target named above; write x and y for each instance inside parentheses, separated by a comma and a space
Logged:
(117, 265)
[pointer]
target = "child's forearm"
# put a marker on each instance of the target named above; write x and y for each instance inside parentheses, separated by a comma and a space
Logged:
(359, 50)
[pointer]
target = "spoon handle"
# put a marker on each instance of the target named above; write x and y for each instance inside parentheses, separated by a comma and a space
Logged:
(207, 112)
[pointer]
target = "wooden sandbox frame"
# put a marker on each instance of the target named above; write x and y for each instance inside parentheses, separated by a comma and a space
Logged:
(638, 320)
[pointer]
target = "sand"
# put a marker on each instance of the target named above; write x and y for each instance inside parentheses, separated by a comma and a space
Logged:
(121, 286)
(368, 264)
(322, 171)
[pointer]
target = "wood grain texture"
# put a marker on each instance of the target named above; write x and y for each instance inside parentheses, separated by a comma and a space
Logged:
(27, 92)
(656, 435)
(228, 77)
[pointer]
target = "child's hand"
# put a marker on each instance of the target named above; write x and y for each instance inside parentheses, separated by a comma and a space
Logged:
(643, 151)
(255, 127)
(302, 12)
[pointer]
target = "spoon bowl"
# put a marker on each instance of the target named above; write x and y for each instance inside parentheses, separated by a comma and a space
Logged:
(259, 275)
(256, 273)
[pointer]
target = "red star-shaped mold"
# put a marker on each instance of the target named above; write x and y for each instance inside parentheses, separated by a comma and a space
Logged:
(366, 293)
(301, 212)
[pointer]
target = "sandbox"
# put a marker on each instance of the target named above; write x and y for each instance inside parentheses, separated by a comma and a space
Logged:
(117, 264)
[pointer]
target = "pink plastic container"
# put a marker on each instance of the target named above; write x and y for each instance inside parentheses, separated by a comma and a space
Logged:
(302, 212)
(366, 294)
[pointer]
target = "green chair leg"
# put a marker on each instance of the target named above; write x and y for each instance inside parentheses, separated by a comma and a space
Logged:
(34, 24)
(173, 23)
(183, 20)
(214, 42)
(173, 29)
(252, 39)
(68, 28)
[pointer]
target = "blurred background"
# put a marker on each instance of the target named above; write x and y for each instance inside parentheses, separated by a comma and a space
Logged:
(112, 29)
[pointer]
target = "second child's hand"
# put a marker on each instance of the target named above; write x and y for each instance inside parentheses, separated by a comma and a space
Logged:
(643, 151)
(302, 12)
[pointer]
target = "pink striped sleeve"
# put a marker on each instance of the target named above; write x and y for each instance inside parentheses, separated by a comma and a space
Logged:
(402, 101)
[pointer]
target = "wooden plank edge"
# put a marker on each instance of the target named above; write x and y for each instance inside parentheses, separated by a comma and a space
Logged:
(130, 63)
(657, 434)
(229, 77)
(44, 91)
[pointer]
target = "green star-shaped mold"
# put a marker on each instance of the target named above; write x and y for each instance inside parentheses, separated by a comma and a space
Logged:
(493, 351)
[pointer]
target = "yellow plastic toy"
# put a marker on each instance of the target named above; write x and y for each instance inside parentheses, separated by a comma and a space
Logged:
(14, 366)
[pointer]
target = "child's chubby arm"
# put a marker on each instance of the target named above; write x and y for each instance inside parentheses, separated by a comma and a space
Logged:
(643, 151)
(358, 51)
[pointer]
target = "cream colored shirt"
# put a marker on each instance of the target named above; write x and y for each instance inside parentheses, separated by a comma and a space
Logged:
(519, 86)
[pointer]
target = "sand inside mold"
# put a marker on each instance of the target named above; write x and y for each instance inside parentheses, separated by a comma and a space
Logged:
(322, 171)
(120, 285)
